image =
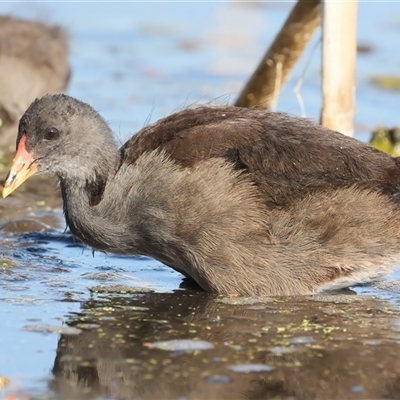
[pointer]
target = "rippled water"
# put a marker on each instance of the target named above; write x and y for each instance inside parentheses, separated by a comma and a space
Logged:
(74, 326)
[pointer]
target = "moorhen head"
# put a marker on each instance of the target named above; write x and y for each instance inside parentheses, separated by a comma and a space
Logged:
(242, 201)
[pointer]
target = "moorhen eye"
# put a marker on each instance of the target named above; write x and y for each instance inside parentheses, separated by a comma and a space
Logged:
(308, 209)
(52, 134)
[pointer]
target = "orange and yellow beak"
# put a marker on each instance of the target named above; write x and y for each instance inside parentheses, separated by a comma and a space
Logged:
(22, 168)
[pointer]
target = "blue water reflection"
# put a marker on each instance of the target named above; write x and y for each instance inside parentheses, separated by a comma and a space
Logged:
(136, 62)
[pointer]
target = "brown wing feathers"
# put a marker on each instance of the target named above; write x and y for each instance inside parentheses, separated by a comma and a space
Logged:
(285, 156)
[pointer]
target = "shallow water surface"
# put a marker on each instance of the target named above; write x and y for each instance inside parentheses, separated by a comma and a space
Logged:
(80, 326)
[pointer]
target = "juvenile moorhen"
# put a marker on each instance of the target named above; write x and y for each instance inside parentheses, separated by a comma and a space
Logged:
(242, 201)
(33, 62)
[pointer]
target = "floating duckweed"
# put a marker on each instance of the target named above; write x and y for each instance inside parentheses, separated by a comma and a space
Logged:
(265, 328)
(86, 364)
(120, 289)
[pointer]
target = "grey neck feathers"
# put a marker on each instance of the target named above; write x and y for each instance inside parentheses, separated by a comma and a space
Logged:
(89, 206)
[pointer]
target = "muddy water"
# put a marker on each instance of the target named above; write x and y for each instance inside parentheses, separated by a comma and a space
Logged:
(80, 326)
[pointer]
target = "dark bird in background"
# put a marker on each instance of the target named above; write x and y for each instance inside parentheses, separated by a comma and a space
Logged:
(33, 62)
(240, 200)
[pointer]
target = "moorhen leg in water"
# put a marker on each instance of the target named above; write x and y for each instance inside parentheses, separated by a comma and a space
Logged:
(242, 201)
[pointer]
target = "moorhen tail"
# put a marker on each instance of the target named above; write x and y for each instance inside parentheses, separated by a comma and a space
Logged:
(242, 201)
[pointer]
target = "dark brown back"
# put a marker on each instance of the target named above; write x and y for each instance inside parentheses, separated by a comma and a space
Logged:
(287, 157)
